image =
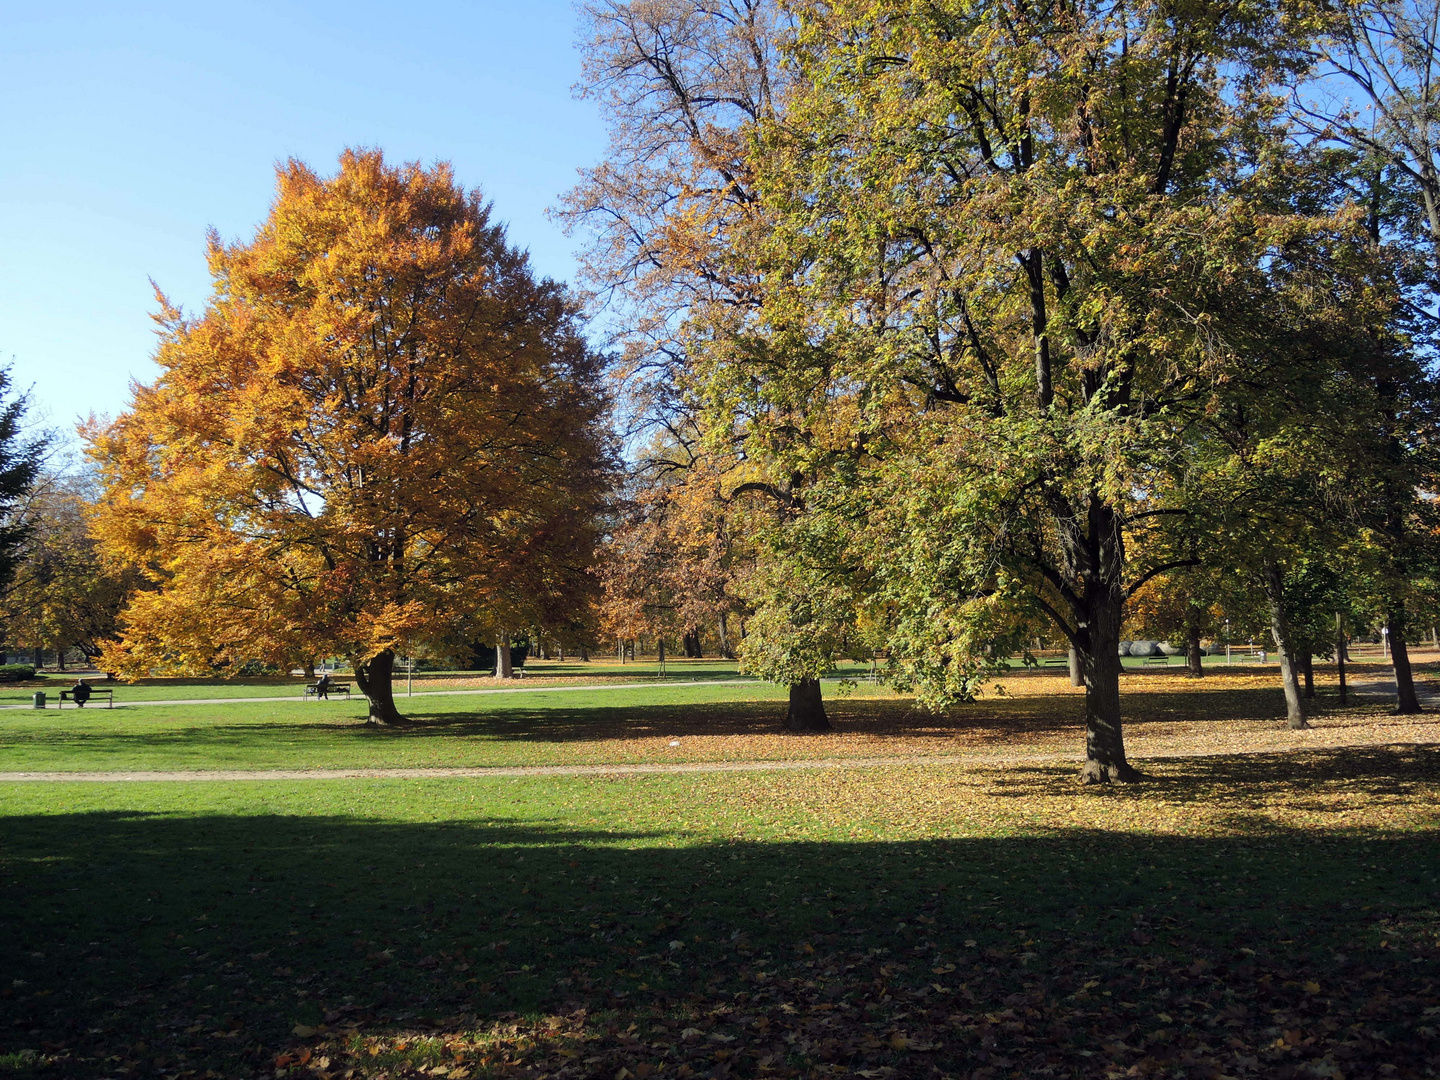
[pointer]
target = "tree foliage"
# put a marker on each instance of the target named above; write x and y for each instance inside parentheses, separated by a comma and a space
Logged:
(382, 432)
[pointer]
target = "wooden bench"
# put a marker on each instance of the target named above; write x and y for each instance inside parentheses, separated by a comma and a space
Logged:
(1056, 661)
(313, 690)
(95, 691)
(1161, 659)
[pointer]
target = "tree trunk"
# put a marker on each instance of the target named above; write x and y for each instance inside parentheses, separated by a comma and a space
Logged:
(503, 668)
(1194, 658)
(1100, 660)
(60, 659)
(1280, 630)
(374, 676)
(310, 669)
(1406, 701)
(1340, 654)
(39, 659)
(725, 650)
(691, 643)
(584, 655)
(807, 709)
(1077, 673)
(1307, 668)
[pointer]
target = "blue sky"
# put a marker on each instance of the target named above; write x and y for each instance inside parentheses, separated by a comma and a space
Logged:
(130, 129)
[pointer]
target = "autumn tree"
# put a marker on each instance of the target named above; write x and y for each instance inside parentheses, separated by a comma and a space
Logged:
(668, 214)
(383, 432)
(1013, 250)
(669, 566)
(1372, 99)
(64, 594)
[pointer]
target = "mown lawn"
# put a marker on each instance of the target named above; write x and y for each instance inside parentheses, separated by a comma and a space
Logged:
(281, 686)
(1238, 916)
(678, 722)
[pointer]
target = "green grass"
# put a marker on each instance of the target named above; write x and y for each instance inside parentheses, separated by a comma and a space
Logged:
(288, 686)
(1250, 916)
(460, 730)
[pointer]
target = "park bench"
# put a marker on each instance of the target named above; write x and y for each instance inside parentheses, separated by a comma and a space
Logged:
(1162, 659)
(1056, 661)
(95, 691)
(313, 689)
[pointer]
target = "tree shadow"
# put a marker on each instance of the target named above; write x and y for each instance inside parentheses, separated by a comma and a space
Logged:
(184, 941)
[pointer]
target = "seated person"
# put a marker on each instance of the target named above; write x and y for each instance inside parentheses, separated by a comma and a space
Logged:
(80, 692)
(322, 688)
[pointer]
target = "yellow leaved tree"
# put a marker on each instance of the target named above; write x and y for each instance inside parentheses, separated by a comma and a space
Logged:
(382, 434)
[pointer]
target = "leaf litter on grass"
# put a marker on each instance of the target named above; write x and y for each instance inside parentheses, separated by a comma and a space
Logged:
(1234, 917)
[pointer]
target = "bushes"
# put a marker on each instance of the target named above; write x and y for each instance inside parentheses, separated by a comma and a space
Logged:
(16, 672)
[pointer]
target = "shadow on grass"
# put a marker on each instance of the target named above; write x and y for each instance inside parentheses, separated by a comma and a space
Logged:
(990, 720)
(167, 942)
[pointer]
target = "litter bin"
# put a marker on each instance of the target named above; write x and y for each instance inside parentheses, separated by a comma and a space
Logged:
(39, 699)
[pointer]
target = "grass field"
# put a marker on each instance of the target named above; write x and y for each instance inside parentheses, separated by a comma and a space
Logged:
(603, 670)
(632, 725)
(1237, 915)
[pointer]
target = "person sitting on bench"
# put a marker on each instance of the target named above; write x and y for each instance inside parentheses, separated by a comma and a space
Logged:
(322, 687)
(80, 692)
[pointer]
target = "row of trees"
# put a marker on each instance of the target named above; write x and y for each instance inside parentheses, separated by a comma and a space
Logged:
(943, 326)
(948, 323)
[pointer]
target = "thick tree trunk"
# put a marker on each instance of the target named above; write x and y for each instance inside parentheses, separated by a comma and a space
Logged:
(584, 655)
(691, 642)
(60, 660)
(1340, 654)
(374, 676)
(1406, 700)
(725, 650)
(310, 669)
(1077, 673)
(1100, 659)
(1280, 631)
(807, 709)
(39, 659)
(1194, 658)
(503, 667)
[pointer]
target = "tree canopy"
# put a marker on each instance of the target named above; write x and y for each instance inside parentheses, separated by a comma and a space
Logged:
(383, 433)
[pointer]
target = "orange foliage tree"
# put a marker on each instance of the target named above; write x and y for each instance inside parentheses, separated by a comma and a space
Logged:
(672, 564)
(383, 433)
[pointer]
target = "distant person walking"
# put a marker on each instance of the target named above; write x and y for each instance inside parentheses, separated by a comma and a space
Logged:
(80, 692)
(322, 688)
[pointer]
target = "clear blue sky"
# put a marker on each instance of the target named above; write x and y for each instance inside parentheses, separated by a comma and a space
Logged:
(131, 128)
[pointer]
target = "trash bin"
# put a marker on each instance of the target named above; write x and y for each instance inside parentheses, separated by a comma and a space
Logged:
(39, 699)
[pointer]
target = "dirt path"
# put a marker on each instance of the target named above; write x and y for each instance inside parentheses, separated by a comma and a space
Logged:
(502, 771)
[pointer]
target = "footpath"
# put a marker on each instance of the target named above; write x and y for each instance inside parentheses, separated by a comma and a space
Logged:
(512, 771)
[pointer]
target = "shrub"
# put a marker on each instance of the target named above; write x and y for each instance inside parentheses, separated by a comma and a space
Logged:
(16, 672)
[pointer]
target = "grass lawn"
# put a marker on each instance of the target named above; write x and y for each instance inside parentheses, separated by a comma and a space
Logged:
(1260, 916)
(1026, 714)
(541, 672)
